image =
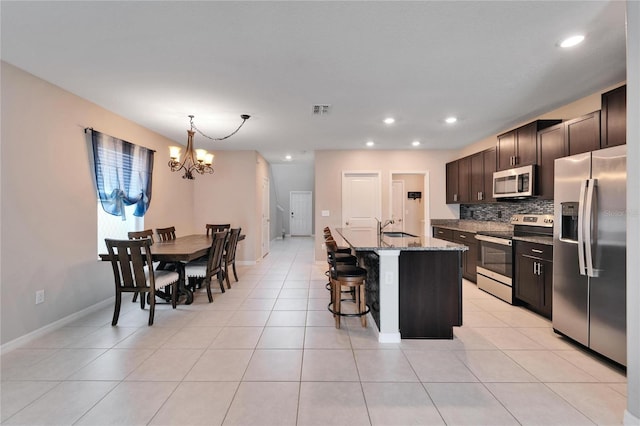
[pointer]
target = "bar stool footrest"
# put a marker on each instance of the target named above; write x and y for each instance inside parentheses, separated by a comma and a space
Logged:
(342, 314)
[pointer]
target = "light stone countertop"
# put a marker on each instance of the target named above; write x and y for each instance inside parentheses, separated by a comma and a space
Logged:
(368, 239)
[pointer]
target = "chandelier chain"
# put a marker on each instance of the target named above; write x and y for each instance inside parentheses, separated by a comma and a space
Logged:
(193, 127)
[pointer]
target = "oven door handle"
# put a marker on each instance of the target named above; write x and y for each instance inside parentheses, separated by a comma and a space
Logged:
(495, 240)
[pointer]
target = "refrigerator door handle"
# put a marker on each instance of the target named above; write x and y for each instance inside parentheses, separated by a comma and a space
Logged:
(581, 208)
(588, 226)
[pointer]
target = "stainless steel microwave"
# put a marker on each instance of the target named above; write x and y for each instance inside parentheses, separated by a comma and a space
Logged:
(514, 183)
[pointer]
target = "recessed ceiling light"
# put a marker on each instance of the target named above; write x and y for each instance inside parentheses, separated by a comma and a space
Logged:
(450, 120)
(370, 143)
(415, 143)
(288, 158)
(389, 120)
(572, 41)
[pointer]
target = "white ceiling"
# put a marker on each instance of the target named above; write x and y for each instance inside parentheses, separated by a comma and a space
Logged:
(492, 64)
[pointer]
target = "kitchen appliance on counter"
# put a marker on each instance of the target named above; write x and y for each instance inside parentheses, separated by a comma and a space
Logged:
(514, 183)
(589, 251)
(495, 267)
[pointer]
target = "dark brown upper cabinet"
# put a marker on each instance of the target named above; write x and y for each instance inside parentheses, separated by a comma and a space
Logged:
(489, 158)
(551, 145)
(458, 175)
(477, 177)
(614, 117)
(464, 179)
(582, 134)
(483, 164)
(452, 196)
(517, 147)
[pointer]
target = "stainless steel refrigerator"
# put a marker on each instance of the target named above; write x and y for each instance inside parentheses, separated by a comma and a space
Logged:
(589, 250)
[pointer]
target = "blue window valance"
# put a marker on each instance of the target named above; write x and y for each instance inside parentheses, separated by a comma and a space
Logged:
(123, 173)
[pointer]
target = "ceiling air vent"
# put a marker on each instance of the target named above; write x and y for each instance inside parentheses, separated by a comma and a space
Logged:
(321, 109)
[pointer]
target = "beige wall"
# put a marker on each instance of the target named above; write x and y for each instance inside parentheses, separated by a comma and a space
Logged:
(230, 196)
(262, 173)
(48, 235)
(328, 182)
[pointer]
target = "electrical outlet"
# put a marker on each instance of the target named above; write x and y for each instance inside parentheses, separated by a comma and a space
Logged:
(39, 297)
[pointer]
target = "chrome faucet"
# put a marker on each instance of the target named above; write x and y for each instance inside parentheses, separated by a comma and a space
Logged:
(381, 225)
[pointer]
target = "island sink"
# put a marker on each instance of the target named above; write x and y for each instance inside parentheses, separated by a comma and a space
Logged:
(397, 234)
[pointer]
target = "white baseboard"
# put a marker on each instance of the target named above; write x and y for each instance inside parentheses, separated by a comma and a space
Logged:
(22, 340)
(630, 420)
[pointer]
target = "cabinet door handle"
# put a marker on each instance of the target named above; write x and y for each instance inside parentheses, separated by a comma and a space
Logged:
(455, 197)
(535, 272)
(462, 236)
(536, 251)
(479, 196)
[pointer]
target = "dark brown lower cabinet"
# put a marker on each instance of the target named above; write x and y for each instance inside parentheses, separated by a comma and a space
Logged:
(430, 292)
(469, 257)
(533, 276)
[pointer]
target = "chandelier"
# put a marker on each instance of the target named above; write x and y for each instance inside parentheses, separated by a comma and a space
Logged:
(198, 160)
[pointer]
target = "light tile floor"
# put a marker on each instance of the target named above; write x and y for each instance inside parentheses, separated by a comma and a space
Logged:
(266, 353)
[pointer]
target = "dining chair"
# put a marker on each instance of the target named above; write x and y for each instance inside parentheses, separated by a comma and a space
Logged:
(136, 235)
(166, 234)
(204, 273)
(132, 271)
(217, 228)
(230, 254)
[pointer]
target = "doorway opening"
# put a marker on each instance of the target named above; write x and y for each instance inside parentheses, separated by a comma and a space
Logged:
(409, 202)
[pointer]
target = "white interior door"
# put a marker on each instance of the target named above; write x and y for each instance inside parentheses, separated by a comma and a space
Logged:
(300, 215)
(360, 199)
(397, 205)
(265, 217)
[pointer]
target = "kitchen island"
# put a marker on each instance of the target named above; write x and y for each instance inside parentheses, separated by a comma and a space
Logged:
(414, 283)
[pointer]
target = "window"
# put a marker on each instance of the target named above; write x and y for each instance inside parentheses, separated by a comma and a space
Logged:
(110, 226)
(123, 176)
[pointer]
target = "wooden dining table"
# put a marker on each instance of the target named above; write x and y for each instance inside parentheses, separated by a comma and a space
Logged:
(179, 252)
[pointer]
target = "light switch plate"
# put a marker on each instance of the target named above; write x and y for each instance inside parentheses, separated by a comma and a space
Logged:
(325, 213)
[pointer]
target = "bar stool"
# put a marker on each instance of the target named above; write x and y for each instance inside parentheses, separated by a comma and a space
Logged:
(341, 258)
(352, 277)
(340, 249)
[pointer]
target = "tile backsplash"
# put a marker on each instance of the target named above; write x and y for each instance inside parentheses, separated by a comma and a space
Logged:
(503, 210)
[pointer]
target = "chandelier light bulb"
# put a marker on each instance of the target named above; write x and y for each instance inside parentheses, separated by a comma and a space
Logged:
(174, 153)
(201, 154)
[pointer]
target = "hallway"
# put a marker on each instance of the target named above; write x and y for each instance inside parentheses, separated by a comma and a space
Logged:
(266, 352)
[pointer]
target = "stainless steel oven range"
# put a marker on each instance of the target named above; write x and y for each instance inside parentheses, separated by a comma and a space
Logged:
(495, 266)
